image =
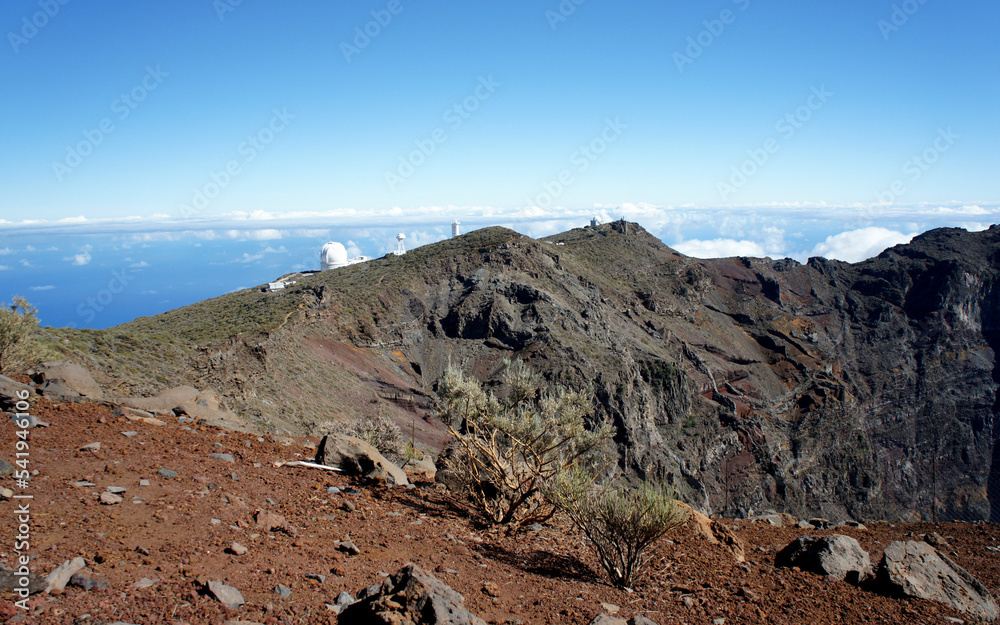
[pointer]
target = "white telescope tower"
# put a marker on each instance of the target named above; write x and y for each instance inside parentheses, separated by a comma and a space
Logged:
(400, 247)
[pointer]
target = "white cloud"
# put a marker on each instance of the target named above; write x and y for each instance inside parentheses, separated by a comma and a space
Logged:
(249, 258)
(266, 234)
(47, 287)
(139, 264)
(309, 233)
(762, 229)
(970, 210)
(262, 225)
(24, 263)
(720, 248)
(774, 239)
(4, 267)
(857, 245)
(6, 251)
(353, 251)
(973, 226)
(83, 258)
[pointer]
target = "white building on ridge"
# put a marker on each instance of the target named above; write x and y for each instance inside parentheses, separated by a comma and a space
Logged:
(334, 255)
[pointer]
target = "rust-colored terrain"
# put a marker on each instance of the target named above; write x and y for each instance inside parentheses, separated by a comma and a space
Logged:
(179, 531)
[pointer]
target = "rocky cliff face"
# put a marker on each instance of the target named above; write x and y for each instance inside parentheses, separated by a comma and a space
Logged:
(865, 391)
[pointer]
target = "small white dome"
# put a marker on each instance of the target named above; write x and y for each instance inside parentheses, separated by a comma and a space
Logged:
(333, 255)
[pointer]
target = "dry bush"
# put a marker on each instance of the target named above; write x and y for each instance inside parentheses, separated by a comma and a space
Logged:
(379, 431)
(18, 349)
(622, 524)
(515, 445)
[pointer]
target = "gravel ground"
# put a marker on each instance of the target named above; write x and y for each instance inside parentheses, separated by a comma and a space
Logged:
(179, 531)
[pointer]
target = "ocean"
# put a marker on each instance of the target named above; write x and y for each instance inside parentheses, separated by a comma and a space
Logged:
(99, 281)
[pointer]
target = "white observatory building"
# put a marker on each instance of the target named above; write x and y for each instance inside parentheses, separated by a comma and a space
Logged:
(334, 255)
(400, 247)
(454, 228)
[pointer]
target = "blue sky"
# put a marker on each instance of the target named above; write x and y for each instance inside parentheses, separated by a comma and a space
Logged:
(724, 127)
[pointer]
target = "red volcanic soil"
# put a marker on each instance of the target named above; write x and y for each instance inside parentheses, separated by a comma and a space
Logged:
(178, 531)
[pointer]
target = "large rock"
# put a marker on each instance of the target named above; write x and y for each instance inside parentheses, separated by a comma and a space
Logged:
(10, 580)
(165, 401)
(226, 595)
(411, 596)
(9, 393)
(773, 519)
(715, 532)
(66, 379)
(835, 555)
(60, 576)
(207, 405)
(420, 470)
(915, 569)
(729, 540)
(356, 457)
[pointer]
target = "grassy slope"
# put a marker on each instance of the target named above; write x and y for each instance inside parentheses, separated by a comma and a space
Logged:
(148, 354)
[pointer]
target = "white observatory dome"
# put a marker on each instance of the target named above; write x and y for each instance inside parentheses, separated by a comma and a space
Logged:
(333, 255)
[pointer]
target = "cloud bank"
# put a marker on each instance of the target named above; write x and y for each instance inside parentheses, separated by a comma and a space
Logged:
(857, 245)
(850, 232)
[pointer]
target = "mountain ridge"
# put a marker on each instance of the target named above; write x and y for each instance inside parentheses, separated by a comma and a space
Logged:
(862, 391)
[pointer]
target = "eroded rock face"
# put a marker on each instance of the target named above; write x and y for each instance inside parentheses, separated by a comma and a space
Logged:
(823, 389)
(915, 569)
(835, 555)
(356, 457)
(411, 596)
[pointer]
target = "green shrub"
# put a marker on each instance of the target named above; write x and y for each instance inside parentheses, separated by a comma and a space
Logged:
(621, 524)
(517, 444)
(411, 452)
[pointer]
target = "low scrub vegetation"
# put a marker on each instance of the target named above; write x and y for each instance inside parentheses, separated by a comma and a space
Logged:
(18, 348)
(621, 523)
(379, 431)
(518, 443)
